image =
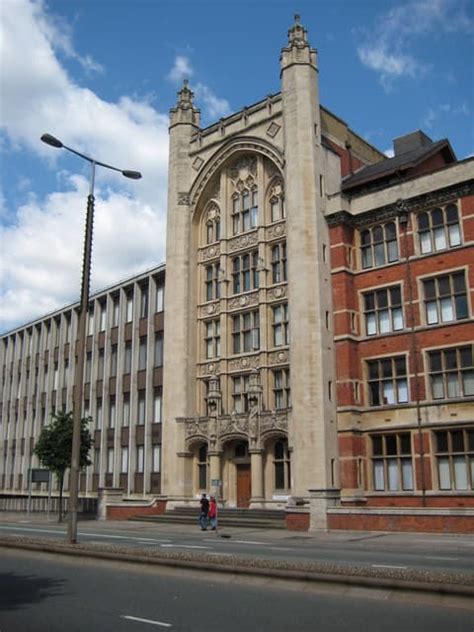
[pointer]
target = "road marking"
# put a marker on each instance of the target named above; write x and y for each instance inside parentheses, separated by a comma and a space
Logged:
(164, 625)
(280, 548)
(440, 557)
(249, 542)
(184, 546)
(387, 566)
(85, 533)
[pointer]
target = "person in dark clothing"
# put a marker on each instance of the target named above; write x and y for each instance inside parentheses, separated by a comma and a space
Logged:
(204, 513)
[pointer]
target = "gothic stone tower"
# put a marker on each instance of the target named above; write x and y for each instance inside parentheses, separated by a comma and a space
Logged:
(249, 411)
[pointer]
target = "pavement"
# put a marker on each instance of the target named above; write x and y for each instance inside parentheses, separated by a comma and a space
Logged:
(446, 583)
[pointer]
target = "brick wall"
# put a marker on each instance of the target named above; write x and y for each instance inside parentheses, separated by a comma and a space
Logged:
(124, 512)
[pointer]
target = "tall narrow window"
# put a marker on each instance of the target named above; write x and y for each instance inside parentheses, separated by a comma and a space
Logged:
(281, 463)
(141, 408)
(112, 411)
(158, 349)
(246, 332)
(102, 316)
(212, 282)
(455, 459)
(157, 405)
(129, 307)
(144, 301)
(240, 385)
(142, 353)
(126, 410)
(115, 311)
(100, 364)
(281, 389)
(244, 210)
(124, 461)
(98, 414)
(244, 273)
(202, 467)
(113, 360)
(156, 458)
(160, 291)
(212, 339)
(281, 326)
(127, 359)
(140, 459)
(279, 263)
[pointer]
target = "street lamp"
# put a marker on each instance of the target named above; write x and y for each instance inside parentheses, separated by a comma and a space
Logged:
(81, 330)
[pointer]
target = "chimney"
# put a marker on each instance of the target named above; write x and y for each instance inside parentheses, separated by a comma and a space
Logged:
(409, 142)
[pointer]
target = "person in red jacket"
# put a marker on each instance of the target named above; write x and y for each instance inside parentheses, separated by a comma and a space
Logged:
(213, 513)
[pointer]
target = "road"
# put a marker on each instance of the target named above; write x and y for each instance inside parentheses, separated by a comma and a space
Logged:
(47, 593)
(403, 551)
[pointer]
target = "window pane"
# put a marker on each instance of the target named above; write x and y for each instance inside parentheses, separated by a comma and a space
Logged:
(440, 238)
(447, 314)
(437, 386)
(379, 252)
(366, 258)
(391, 444)
(392, 247)
(388, 393)
(407, 474)
(453, 385)
(397, 319)
(425, 242)
(379, 484)
(402, 391)
(454, 235)
(468, 383)
(460, 472)
(377, 445)
(442, 441)
(384, 321)
(444, 474)
(461, 307)
(392, 471)
(371, 328)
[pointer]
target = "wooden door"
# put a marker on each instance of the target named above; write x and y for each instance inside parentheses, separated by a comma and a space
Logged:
(244, 485)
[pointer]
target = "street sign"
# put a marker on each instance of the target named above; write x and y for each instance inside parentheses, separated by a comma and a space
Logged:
(40, 476)
(216, 482)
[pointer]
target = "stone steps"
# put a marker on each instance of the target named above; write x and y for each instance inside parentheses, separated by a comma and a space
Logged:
(243, 518)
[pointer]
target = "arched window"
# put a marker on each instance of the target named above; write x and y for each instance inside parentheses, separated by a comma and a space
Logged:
(277, 202)
(202, 467)
(212, 224)
(379, 245)
(279, 263)
(439, 229)
(281, 461)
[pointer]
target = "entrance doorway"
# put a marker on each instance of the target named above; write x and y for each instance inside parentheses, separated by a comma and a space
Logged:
(244, 485)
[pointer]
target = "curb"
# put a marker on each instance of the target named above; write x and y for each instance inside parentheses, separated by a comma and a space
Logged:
(449, 584)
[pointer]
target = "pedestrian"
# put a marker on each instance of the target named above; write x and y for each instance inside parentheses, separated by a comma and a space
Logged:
(204, 513)
(213, 513)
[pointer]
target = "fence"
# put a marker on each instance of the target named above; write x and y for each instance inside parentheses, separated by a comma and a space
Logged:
(39, 504)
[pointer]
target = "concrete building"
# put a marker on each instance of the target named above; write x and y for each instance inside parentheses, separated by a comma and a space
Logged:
(280, 217)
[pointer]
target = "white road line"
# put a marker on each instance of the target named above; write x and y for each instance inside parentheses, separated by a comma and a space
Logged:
(280, 548)
(164, 625)
(32, 529)
(183, 546)
(387, 566)
(85, 533)
(440, 557)
(249, 542)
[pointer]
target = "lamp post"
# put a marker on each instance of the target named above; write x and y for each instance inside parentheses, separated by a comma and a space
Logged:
(81, 330)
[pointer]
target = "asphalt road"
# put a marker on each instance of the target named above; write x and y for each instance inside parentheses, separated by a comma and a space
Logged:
(46, 593)
(402, 551)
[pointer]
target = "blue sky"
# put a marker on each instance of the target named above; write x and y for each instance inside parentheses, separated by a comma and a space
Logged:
(101, 75)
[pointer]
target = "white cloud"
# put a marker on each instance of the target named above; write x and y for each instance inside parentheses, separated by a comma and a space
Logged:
(434, 113)
(386, 48)
(41, 245)
(181, 70)
(212, 107)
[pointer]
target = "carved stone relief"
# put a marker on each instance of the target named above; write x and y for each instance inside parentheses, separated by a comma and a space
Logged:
(243, 301)
(277, 293)
(243, 364)
(273, 129)
(278, 357)
(278, 230)
(198, 163)
(244, 241)
(210, 252)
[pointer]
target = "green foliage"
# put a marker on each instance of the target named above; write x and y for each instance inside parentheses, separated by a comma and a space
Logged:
(54, 445)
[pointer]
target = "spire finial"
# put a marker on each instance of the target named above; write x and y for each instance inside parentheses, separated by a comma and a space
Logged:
(297, 33)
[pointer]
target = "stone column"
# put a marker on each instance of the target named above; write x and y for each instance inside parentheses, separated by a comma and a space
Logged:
(256, 464)
(215, 473)
(312, 433)
(179, 363)
(320, 501)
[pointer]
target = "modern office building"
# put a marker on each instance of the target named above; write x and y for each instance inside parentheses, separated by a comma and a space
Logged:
(280, 219)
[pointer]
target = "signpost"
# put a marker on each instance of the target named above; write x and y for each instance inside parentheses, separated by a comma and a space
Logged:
(37, 475)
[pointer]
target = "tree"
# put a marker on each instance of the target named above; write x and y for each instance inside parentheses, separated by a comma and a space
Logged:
(54, 447)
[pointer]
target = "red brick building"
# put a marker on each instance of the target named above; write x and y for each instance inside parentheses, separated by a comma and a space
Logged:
(402, 276)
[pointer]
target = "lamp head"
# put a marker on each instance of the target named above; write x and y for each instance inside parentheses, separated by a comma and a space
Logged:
(51, 140)
(134, 175)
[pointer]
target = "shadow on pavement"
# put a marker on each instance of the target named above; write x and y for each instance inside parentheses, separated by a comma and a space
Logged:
(18, 590)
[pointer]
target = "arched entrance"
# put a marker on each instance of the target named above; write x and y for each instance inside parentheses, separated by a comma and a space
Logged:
(243, 474)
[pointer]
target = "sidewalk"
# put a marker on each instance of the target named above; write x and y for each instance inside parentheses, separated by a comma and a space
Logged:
(433, 582)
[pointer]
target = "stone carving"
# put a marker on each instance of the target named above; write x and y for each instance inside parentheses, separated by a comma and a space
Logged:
(243, 301)
(183, 199)
(274, 420)
(277, 230)
(277, 293)
(256, 145)
(244, 241)
(278, 357)
(273, 129)
(240, 364)
(209, 310)
(210, 252)
(243, 169)
(197, 163)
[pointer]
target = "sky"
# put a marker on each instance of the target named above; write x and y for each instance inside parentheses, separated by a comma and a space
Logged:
(101, 75)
